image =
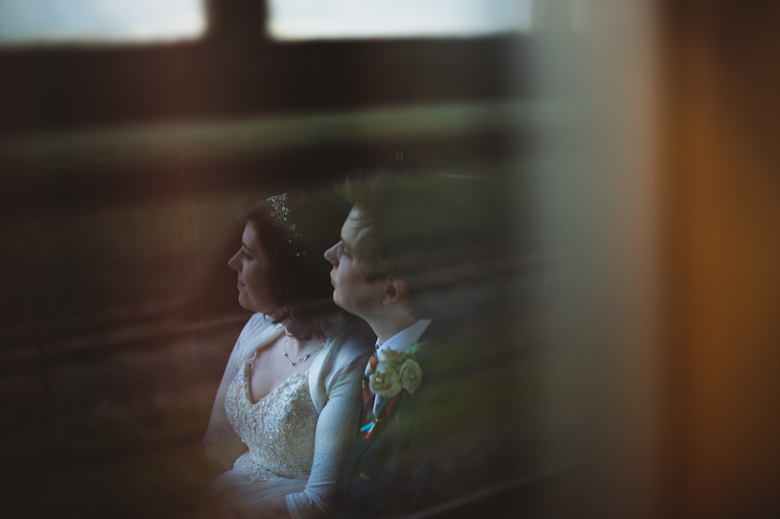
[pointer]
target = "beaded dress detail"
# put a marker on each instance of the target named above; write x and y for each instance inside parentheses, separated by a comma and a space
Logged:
(278, 429)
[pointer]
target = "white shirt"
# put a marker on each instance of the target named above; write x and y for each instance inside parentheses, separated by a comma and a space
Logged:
(405, 338)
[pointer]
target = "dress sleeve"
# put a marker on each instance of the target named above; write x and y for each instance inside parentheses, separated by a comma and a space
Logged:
(223, 445)
(334, 436)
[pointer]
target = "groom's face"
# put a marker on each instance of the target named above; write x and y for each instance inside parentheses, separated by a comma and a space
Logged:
(351, 290)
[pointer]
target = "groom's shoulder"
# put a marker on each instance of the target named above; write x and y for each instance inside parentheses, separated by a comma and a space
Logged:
(448, 350)
(463, 369)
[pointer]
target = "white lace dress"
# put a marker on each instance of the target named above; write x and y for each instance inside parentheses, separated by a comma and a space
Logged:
(292, 441)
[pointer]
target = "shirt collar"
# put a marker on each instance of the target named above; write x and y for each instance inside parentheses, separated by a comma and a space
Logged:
(405, 338)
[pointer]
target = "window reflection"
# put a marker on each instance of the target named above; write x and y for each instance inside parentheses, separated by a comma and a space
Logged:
(345, 19)
(95, 21)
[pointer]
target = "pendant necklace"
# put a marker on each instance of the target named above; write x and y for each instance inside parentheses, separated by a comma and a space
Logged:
(302, 359)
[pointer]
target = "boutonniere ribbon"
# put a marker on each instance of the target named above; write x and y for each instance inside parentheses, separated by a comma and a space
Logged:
(394, 374)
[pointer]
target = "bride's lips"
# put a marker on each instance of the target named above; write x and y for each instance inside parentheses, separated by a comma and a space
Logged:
(240, 285)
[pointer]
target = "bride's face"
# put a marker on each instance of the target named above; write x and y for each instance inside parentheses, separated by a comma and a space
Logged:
(251, 264)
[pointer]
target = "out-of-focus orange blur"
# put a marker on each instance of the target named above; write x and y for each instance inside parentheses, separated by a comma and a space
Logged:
(672, 178)
(721, 232)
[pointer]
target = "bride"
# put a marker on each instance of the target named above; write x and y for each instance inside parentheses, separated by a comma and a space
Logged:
(286, 411)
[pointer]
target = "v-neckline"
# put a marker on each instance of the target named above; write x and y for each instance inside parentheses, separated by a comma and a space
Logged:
(248, 383)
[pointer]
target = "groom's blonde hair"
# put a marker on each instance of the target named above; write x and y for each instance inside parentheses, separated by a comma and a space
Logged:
(411, 221)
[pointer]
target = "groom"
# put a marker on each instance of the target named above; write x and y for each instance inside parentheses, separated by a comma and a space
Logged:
(421, 441)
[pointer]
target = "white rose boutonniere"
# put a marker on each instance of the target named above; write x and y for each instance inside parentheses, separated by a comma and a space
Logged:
(392, 357)
(410, 375)
(384, 381)
(396, 371)
(393, 373)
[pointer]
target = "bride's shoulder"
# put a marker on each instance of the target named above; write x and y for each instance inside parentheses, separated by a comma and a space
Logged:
(258, 330)
(351, 337)
(258, 323)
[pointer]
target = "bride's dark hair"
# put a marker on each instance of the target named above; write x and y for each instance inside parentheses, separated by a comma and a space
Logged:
(294, 231)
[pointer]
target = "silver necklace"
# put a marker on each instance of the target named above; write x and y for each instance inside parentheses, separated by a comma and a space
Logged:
(302, 359)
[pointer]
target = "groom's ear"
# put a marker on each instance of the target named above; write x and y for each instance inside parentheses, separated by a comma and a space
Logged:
(394, 290)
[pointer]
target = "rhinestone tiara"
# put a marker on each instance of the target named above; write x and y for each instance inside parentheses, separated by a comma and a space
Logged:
(280, 215)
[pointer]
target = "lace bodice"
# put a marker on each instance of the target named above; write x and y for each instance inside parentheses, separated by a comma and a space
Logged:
(278, 429)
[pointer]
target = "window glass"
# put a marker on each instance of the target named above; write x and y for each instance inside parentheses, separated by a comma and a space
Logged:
(341, 19)
(95, 21)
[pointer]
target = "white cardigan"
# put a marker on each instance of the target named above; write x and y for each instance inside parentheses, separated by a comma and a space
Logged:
(335, 380)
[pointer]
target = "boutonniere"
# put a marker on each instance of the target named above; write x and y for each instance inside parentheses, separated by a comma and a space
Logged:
(396, 373)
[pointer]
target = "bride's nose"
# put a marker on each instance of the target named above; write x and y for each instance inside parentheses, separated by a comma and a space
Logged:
(233, 262)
